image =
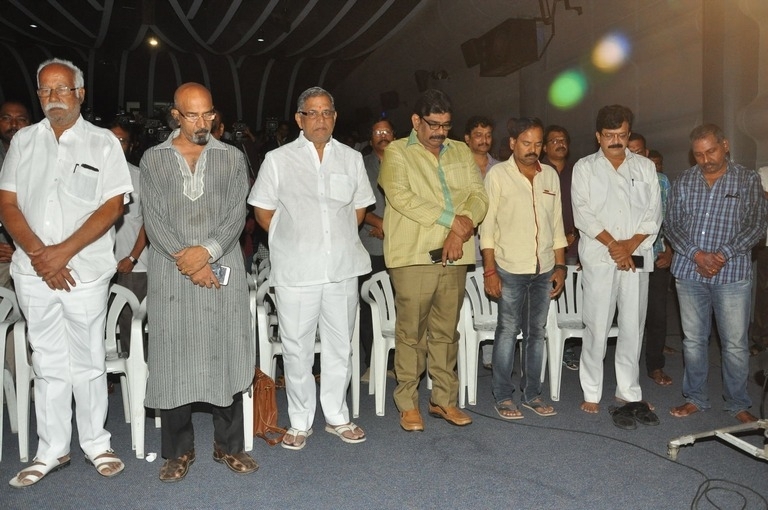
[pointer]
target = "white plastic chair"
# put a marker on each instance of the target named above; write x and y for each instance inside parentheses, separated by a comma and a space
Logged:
(377, 292)
(9, 314)
(565, 322)
(270, 346)
(133, 370)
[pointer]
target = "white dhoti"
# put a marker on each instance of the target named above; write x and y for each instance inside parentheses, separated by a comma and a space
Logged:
(66, 333)
(605, 287)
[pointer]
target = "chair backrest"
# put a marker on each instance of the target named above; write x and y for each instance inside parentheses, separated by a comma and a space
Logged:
(9, 306)
(119, 298)
(484, 309)
(377, 290)
(569, 301)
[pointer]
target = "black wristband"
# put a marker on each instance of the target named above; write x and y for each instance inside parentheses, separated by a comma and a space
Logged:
(563, 267)
(133, 260)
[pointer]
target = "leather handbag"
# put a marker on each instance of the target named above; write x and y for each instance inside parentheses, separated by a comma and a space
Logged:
(265, 409)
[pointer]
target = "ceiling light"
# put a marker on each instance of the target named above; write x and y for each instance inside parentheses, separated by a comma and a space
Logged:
(32, 25)
(152, 41)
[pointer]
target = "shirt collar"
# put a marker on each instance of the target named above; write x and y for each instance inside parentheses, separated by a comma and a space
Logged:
(302, 141)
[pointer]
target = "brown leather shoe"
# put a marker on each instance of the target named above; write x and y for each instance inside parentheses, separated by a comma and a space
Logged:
(452, 415)
(241, 463)
(174, 470)
(411, 420)
(745, 417)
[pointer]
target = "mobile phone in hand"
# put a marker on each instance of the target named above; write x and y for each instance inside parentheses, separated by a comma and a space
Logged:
(638, 261)
(436, 256)
(221, 273)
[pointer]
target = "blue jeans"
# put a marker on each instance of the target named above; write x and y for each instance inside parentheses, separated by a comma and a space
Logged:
(731, 304)
(523, 307)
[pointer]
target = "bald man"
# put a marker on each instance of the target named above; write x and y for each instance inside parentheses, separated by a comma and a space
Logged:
(62, 188)
(199, 347)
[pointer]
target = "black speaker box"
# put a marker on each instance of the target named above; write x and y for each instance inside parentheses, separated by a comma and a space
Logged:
(509, 47)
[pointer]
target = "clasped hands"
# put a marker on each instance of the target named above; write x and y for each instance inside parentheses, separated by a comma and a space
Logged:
(50, 264)
(192, 262)
(462, 229)
(621, 253)
(708, 264)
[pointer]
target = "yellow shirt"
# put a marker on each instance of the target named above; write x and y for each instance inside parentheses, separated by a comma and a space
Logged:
(524, 223)
(423, 195)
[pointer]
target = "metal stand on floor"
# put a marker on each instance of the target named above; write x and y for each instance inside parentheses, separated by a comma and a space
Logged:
(726, 434)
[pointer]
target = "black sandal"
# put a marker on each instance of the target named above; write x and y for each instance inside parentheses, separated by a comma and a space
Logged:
(623, 417)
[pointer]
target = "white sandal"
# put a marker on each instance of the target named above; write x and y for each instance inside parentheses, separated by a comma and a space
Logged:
(102, 461)
(37, 471)
(339, 430)
(296, 433)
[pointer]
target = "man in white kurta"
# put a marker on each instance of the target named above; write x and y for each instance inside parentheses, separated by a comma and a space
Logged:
(617, 209)
(311, 195)
(63, 186)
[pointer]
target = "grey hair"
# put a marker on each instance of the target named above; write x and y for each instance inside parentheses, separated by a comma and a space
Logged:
(79, 80)
(313, 92)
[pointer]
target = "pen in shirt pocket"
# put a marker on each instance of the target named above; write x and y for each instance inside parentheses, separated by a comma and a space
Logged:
(86, 166)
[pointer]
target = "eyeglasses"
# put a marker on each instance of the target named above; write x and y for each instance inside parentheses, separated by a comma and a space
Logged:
(382, 132)
(313, 114)
(613, 136)
(194, 117)
(558, 141)
(434, 126)
(61, 91)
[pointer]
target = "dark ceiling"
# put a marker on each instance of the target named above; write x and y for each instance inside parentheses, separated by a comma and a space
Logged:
(256, 56)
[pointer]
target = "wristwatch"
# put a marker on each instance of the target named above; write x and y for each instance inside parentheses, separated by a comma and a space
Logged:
(563, 267)
(133, 260)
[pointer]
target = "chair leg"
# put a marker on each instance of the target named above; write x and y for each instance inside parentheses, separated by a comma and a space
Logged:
(10, 401)
(473, 347)
(356, 367)
(248, 418)
(126, 398)
(555, 346)
(379, 361)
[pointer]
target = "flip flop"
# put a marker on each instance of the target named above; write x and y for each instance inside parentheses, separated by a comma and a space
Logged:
(102, 463)
(37, 471)
(339, 430)
(623, 417)
(538, 406)
(501, 407)
(296, 433)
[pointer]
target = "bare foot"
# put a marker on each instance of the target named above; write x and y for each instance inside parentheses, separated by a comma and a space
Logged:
(590, 407)
(684, 410)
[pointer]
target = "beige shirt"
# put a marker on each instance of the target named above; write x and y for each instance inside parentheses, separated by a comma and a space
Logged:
(524, 223)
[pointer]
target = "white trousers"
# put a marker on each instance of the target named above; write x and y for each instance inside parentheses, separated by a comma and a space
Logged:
(301, 311)
(66, 333)
(604, 288)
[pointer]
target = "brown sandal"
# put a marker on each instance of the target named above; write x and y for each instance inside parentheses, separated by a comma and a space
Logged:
(174, 470)
(241, 463)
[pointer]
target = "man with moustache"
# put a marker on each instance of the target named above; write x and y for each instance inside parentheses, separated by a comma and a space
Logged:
(523, 247)
(200, 346)
(13, 116)
(435, 199)
(617, 209)
(715, 216)
(658, 282)
(62, 187)
(311, 195)
(372, 229)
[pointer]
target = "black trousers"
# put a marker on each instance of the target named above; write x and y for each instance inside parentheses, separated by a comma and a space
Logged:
(656, 318)
(178, 437)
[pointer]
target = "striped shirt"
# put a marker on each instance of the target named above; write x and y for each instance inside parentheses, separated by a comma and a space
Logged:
(728, 218)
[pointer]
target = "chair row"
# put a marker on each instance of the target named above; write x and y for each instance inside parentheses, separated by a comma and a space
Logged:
(477, 324)
(132, 368)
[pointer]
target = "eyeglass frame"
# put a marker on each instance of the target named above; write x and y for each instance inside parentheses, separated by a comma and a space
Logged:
(314, 114)
(612, 136)
(558, 141)
(61, 91)
(197, 116)
(434, 126)
(383, 132)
